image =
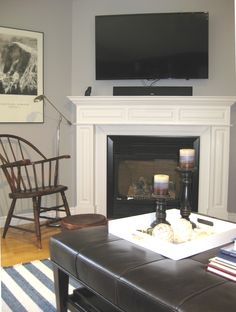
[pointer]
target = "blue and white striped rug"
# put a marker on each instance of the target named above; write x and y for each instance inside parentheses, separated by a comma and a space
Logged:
(29, 287)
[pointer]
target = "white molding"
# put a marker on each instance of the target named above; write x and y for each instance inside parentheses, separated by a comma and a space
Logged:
(153, 110)
(144, 100)
(85, 169)
(232, 216)
(218, 188)
(30, 215)
(207, 117)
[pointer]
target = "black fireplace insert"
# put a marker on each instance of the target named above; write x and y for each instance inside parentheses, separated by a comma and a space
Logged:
(132, 162)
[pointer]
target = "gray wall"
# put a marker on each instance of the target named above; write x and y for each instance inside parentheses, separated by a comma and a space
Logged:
(222, 77)
(53, 18)
(69, 62)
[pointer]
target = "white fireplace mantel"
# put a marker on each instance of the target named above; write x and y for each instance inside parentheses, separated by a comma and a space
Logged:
(206, 117)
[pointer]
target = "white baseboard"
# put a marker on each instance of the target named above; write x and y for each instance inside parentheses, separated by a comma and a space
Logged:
(73, 210)
(232, 216)
(30, 215)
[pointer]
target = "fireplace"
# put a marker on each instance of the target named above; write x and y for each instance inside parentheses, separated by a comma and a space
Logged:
(206, 117)
(132, 162)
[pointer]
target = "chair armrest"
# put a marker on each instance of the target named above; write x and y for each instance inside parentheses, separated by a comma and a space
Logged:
(18, 163)
(50, 159)
(26, 162)
(25, 175)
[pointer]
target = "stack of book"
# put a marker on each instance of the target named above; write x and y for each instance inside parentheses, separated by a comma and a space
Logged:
(224, 263)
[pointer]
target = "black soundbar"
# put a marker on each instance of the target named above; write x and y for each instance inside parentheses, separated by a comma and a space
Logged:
(159, 91)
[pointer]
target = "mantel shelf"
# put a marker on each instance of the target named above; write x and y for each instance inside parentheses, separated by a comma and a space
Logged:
(167, 110)
(153, 100)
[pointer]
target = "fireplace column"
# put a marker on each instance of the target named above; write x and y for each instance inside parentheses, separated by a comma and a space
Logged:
(85, 169)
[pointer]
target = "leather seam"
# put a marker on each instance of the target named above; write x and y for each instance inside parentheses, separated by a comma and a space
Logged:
(197, 293)
(174, 309)
(139, 266)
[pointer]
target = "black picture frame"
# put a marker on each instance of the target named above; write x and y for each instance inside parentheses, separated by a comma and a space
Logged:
(21, 75)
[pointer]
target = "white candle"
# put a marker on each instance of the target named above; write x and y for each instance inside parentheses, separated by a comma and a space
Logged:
(186, 158)
(161, 184)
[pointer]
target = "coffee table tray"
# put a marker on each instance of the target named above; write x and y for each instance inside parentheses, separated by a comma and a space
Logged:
(223, 232)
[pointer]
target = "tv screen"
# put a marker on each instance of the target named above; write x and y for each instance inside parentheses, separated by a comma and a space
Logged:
(152, 46)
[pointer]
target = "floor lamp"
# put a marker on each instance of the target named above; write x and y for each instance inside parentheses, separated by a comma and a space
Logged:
(40, 98)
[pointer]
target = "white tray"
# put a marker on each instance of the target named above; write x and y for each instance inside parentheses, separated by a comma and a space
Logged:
(126, 228)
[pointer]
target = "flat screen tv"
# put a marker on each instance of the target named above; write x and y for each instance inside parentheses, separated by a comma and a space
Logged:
(152, 46)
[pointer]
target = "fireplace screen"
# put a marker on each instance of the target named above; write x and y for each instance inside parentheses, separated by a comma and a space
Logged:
(135, 178)
(132, 163)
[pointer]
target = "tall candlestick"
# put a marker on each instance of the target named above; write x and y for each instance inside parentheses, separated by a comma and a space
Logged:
(161, 184)
(186, 158)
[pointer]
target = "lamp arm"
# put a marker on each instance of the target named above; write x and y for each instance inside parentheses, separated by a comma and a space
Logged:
(41, 97)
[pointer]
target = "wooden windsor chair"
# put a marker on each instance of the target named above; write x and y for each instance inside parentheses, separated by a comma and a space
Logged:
(30, 179)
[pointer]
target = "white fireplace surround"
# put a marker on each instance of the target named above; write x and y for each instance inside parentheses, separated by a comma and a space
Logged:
(206, 117)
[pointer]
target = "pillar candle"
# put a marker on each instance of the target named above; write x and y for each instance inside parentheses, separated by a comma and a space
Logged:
(186, 158)
(161, 184)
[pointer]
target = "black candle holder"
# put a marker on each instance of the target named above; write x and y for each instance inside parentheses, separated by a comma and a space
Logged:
(160, 209)
(186, 193)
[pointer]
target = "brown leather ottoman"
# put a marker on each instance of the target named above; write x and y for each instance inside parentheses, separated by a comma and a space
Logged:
(119, 276)
(84, 220)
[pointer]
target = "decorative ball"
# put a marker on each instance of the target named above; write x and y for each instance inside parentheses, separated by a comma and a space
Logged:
(163, 232)
(200, 233)
(182, 229)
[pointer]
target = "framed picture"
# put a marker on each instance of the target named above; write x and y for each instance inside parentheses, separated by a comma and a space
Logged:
(21, 75)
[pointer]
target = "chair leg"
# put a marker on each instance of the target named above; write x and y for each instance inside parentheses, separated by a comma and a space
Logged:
(9, 217)
(39, 201)
(37, 223)
(67, 209)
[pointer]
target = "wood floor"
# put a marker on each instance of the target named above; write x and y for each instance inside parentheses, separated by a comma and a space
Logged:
(21, 247)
